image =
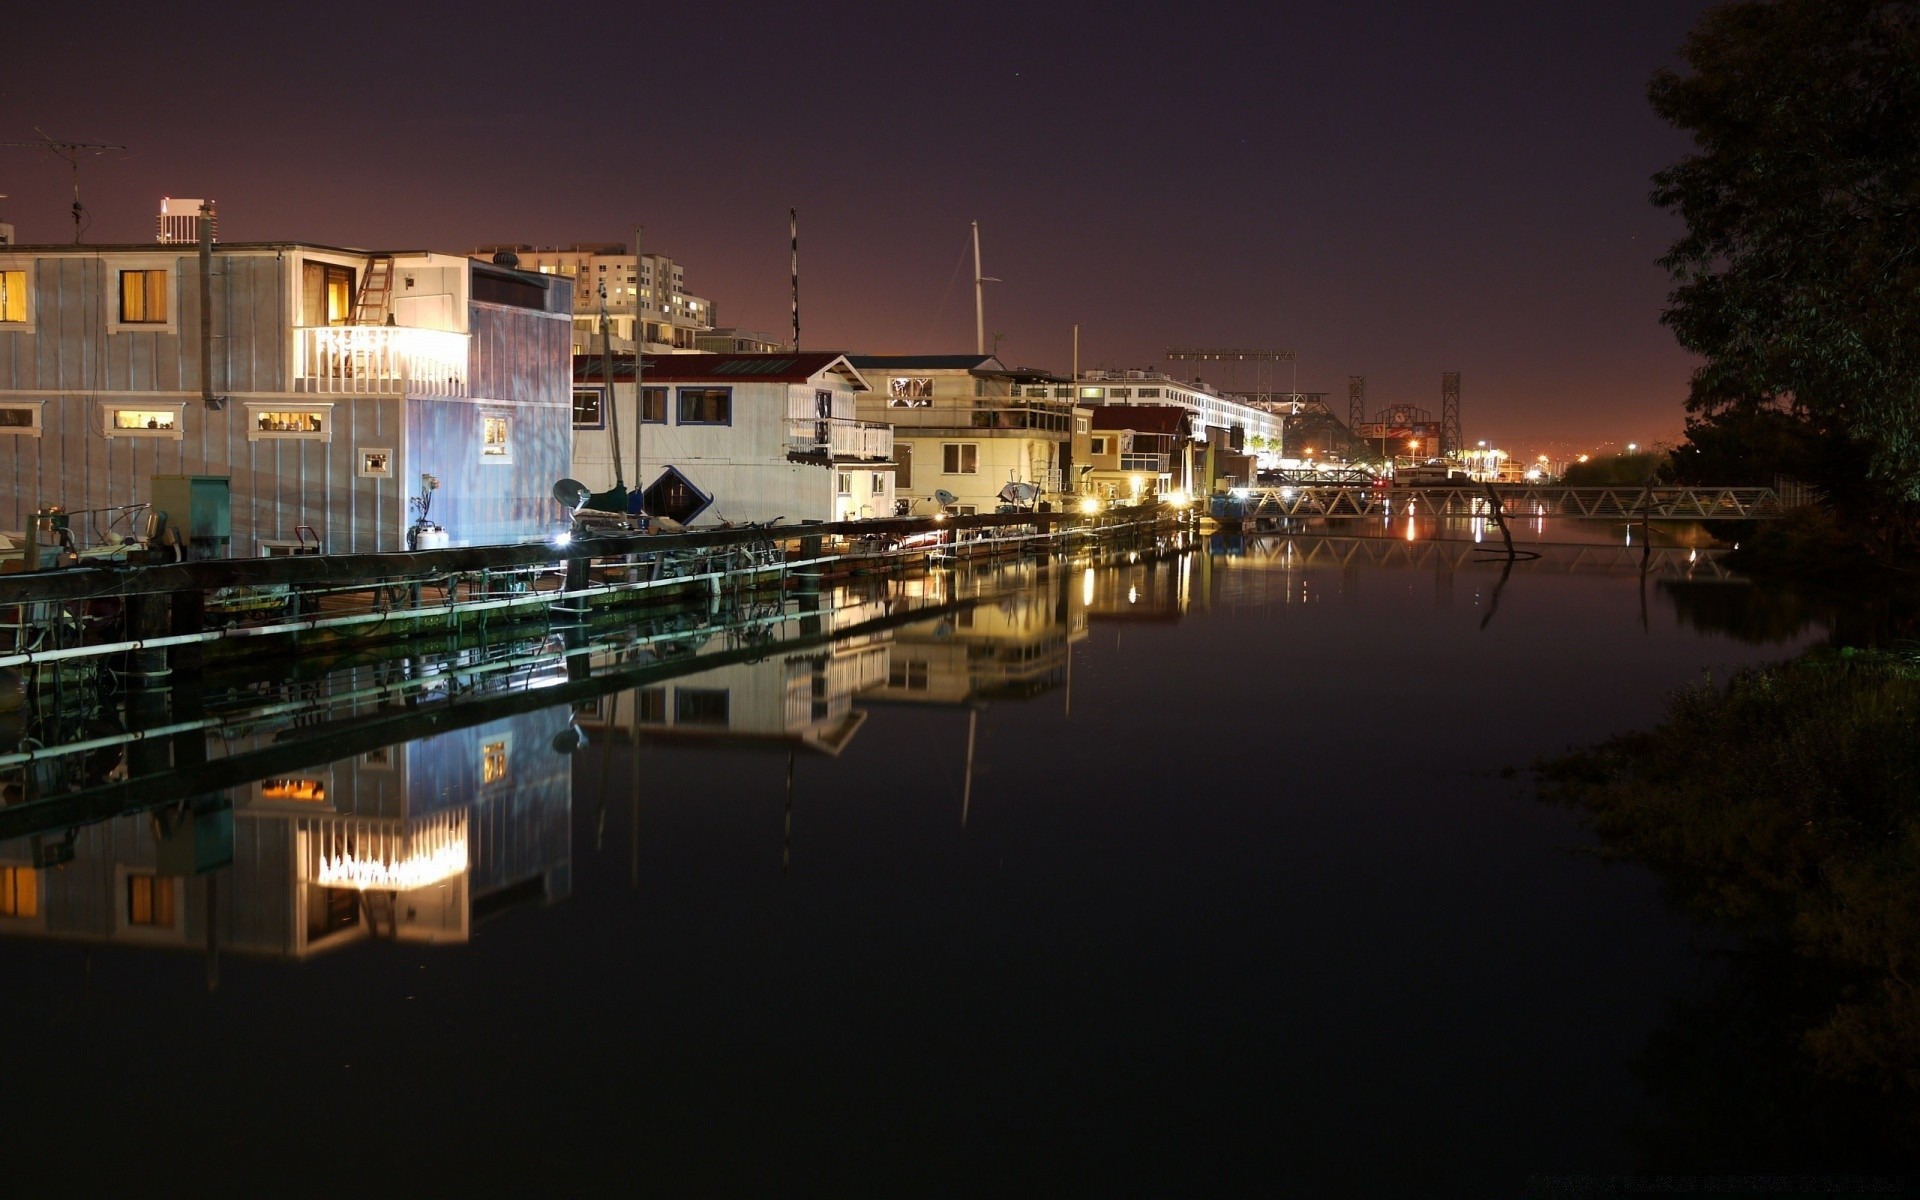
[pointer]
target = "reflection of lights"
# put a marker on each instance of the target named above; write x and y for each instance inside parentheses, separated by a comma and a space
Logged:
(1410, 534)
(1086, 587)
(1176, 499)
(369, 858)
(1286, 493)
(1533, 474)
(1133, 595)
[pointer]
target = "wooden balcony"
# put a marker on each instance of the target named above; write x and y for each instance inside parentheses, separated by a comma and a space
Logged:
(379, 360)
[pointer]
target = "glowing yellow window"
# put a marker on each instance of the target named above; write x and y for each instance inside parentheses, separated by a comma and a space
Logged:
(291, 422)
(141, 418)
(13, 296)
(493, 437)
(19, 892)
(149, 901)
(493, 762)
(309, 790)
(143, 297)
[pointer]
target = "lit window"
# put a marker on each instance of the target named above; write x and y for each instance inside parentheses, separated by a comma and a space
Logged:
(495, 439)
(376, 464)
(149, 901)
(13, 297)
(960, 458)
(493, 762)
(19, 892)
(303, 423)
(143, 297)
(149, 422)
(307, 791)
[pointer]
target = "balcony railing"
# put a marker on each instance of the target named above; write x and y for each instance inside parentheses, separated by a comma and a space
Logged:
(1156, 463)
(838, 439)
(380, 359)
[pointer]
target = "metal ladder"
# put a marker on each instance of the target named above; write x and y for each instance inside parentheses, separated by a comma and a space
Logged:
(376, 291)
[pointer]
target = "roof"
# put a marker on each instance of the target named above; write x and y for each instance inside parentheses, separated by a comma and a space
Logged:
(777, 367)
(927, 362)
(1141, 418)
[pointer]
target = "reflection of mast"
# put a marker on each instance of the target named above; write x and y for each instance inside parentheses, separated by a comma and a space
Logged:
(966, 786)
(786, 834)
(213, 941)
(634, 824)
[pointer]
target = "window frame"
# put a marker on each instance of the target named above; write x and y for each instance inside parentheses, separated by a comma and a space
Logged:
(256, 434)
(118, 267)
(599, 397)
(36, 425)
(658, 390)
(177, 407)
(1097, 444)
(486, 746)
(26, 323)
(683, 394)
(960, 456)
(365, 471)
(505, 457)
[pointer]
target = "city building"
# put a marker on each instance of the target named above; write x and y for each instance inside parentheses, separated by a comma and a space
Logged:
(1246, 424)
(336, 381)
(737, 341)
(736, 437)
(648, 289)
(969, 425)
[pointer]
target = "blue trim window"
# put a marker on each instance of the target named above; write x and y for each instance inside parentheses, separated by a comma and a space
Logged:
(706, 406)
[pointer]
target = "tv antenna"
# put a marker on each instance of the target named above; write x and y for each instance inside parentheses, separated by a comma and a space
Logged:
(71, 151)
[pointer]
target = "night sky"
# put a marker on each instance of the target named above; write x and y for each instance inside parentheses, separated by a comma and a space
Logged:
(1387, 188)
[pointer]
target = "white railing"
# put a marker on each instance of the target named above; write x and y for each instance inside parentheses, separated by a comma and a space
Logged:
(380, 359)
(840, 439)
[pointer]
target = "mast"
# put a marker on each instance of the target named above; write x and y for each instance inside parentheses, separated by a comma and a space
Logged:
(639, 365)
(793, 234)
(606, 373)
(979, 297)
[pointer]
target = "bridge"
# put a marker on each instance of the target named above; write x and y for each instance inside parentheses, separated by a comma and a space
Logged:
(1518, 501)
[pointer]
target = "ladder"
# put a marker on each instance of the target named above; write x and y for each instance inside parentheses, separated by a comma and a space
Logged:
(376, 291)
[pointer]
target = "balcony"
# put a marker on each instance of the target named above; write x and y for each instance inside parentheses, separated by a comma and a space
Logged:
(838, 440)
(379, 360)
(1155, 464)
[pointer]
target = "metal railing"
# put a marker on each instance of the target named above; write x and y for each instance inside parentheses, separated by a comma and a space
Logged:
(838, 438)
(380, 359)
(1520, 502)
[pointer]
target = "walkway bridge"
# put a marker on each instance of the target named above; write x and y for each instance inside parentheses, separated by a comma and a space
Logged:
(1518, 501)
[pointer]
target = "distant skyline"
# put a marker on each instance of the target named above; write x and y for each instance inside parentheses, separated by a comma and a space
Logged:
(1388, 190)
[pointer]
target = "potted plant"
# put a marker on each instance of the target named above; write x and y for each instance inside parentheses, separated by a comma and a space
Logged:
(424, 534)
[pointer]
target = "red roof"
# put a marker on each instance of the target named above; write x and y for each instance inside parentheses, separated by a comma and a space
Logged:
(1141, 418)
(777, 367)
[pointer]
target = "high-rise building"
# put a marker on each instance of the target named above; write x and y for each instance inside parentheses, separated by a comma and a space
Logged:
(648, 290)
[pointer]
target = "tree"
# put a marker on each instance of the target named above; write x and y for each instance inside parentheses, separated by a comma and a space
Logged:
(1798, 276)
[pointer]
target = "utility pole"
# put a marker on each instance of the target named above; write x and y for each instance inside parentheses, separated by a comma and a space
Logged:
(639, 366)
(606, 373)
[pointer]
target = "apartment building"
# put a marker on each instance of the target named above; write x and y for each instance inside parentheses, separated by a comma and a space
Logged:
(647, 291)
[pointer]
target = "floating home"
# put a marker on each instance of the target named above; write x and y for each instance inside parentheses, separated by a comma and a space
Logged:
(735, 437)
(335, 380)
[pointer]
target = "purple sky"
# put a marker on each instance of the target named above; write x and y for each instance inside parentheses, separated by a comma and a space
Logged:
(1388, 189)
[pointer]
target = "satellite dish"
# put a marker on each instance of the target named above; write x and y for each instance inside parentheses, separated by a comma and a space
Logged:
(945, 497)
(569, 740)
(571, 494)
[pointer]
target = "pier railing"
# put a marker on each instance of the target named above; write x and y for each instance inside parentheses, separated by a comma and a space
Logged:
(1519, 501)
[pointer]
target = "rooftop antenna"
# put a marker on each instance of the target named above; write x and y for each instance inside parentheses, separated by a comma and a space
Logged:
(70, 151)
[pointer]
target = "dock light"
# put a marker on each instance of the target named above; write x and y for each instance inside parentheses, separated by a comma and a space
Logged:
(1090, 504)
(563, 539)
(1176, 499)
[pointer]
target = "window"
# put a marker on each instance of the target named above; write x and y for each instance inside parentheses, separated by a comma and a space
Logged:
(149, 901)
(653, 406)
(496, 444)
(493, 762)
(22, 420)
(1149, 393)
(143, 297)
(19, 892)
(301, 788)
(1088, 393)
(326, 293)
(1121, 394)
(700, 706)
(376, 464)
(147, 420)
(706, 406)
(960, 458)
(911, 676)
(877, 485)
(1081, 425)
(1097, 445)
(588, 412)
(13, 297)
(653, 706)
(309, 422)
(845, 483)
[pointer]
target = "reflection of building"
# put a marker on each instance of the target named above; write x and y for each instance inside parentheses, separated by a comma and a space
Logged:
(1007, 647)
(747, 437)
(965, 424)
(802, 700)
(1152, 589)
(413, 842)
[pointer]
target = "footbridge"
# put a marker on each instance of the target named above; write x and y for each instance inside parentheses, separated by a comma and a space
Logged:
(1517, 501)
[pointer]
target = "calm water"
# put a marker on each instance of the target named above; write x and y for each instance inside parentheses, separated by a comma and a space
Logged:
(1199, 872)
